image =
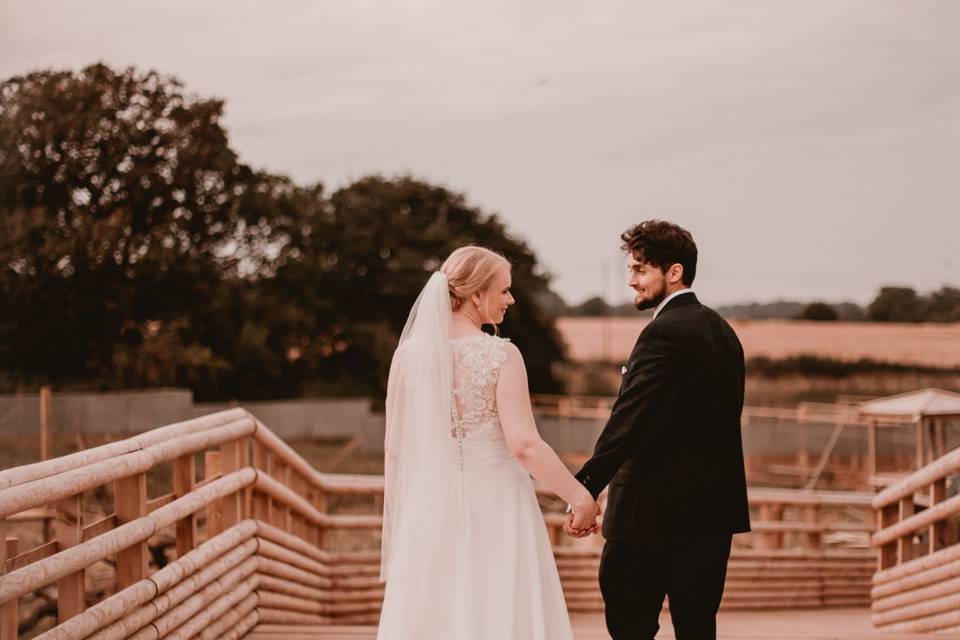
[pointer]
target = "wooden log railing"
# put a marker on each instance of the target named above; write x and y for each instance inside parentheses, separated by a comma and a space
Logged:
(249, 536)
(262, 537)
(917, 586)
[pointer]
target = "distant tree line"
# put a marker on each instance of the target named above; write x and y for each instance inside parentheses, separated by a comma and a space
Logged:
(136, 250)
(895, 304)
(892, 304)
(826, 367)
(597, 306)
(903, 304)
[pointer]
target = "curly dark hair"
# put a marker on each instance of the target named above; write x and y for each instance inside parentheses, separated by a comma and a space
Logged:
(661, 244)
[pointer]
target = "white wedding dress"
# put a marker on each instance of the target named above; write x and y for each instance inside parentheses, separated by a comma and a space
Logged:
(488, 572)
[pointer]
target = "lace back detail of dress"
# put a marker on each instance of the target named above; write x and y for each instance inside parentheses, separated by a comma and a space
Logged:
(476, 367)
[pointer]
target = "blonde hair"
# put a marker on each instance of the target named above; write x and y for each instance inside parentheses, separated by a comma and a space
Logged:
(470, 269)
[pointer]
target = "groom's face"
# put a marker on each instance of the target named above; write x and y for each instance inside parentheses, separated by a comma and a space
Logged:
(648, 283)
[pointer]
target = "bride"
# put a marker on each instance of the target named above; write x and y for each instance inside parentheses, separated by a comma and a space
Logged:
(465, 552)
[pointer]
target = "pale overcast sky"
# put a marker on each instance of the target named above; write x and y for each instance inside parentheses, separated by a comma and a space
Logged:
(812, 147)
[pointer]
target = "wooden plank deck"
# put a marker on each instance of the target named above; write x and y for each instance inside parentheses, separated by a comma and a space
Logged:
(819, 624)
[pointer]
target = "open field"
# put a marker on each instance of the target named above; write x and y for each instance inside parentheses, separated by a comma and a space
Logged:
(934, 345)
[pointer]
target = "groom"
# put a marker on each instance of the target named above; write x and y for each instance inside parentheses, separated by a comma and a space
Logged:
(671, 451)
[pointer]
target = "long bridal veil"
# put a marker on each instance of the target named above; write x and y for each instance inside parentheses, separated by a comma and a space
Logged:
(419, 471)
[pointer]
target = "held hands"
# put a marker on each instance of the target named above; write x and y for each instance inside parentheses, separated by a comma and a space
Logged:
(582, 521)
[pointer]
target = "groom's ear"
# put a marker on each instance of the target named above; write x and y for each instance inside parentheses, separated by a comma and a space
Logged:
(675, 273)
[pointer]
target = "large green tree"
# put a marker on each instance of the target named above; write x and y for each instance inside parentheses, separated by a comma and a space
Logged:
(137, 251)
(358, 265)
(120, 202)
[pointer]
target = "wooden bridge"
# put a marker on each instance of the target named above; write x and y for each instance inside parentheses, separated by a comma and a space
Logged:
(264, 544)
(796, 624)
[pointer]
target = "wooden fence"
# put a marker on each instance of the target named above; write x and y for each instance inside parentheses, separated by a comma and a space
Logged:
(598, 407)
(801, 467)
(262, 537)
(917, 586)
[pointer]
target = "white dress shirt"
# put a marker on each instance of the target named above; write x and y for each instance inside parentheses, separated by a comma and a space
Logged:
(669, 298)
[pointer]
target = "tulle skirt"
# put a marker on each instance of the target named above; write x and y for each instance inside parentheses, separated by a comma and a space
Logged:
(477, 565)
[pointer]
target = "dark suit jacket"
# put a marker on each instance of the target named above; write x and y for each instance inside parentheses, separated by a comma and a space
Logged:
(672, 450)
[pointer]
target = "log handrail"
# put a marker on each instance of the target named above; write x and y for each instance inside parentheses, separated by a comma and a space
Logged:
(63, 482)
(917, 585)
(918, 480)
(38, 492)
(22, 581)
(47, 468)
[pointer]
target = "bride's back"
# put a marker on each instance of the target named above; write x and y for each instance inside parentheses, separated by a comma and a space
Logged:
(476, 366)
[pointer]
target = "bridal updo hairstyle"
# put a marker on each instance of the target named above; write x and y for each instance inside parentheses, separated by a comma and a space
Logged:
(470, 269)
(661, 244)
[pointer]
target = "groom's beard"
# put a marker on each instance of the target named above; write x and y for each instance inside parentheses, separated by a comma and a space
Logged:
(642, 304)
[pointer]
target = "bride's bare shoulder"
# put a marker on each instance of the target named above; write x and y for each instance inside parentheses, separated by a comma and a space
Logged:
(513, 357)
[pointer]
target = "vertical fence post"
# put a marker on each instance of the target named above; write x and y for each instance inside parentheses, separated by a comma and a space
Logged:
(765, 516)
(940, 438)
(319, 500)
(129, 504)
(803, 461)
(872, 462)
(919, 444)
(286, 478)
(279, 513)
(9, 618)
(71, 596)
(299, 523)
(812, 539)
(905, 544)
(887, 516)
(777, 511)
(247, 456)
(211, 468)
(938, 530)
(184, 481)
(771, 512)
(45, 452)
(261, 502)
(232, 458)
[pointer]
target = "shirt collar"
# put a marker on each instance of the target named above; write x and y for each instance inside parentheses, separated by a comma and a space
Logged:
(669, 298)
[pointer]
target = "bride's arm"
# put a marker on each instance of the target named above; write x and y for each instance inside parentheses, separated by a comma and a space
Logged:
(520, 429)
